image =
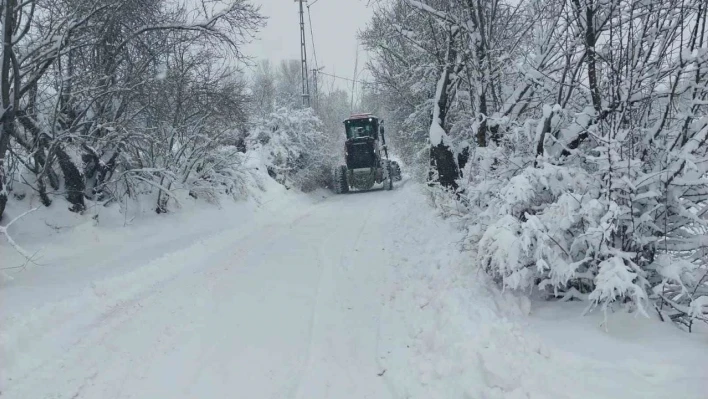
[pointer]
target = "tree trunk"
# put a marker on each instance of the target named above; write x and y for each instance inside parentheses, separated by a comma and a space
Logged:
(442, 159)
(42, 188)
(546, 130)
(477, 17)
(588, 13)
(8, 26)
(73, 180)
(4, 142)
(462, 158)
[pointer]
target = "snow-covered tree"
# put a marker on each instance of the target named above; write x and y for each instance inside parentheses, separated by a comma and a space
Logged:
(580, 131)
(88, 85)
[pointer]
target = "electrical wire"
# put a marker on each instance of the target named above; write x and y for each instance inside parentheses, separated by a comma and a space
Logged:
(312, 36)
(347, 79)
(314, 52)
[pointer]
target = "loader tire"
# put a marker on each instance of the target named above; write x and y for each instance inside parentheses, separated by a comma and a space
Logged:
(341, 185)
(387, 176)
(396, 171)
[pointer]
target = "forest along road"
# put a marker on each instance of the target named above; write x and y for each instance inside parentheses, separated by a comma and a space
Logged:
(289, 310)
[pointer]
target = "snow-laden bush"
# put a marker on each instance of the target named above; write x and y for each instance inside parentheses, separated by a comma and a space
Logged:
(602, 229)
(297, 150)
(224, 173)
(203, 169)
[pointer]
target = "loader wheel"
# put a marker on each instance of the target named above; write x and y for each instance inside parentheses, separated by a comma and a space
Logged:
(388, 176)
(396, 171)
(341, 186)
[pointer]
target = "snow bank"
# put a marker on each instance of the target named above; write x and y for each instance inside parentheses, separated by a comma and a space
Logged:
(109, 258)
(466, 339)
(54, 235)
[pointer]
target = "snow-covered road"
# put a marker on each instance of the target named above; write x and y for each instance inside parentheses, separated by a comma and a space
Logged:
(358, 296)
(289, 310)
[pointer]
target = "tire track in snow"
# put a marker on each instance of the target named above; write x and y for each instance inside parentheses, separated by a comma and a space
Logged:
(388, 383)
(344, 342)
(324, 269)
(323, 264)
(296, 392)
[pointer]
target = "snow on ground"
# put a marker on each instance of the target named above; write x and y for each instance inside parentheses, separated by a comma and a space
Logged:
(672, 361)
(468, 340)
(363, 295)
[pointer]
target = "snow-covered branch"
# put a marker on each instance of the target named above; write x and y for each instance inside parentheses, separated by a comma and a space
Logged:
(17, 247)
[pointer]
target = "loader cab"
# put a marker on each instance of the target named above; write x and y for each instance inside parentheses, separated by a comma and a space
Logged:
(362, 125)
(362, 147)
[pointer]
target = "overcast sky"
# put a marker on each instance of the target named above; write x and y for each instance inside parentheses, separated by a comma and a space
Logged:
(335, 24)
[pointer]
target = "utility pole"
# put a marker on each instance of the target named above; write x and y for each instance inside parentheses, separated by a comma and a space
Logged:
(316, 102)
(303, 58)
(316, 87)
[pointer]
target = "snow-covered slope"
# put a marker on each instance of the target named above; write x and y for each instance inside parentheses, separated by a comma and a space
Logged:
(355, 296)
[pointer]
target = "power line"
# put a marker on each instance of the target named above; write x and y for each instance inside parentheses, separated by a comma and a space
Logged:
(314, 55)
(317, 69)
(312, 35)
(347, 79)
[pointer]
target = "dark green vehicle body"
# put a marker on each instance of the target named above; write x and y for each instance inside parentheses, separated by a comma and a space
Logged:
(366, 156)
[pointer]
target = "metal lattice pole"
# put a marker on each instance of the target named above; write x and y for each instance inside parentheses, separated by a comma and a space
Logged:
(315, 89)
(303, 59)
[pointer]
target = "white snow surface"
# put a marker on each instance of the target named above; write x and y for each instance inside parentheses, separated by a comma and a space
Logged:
(365, 295)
